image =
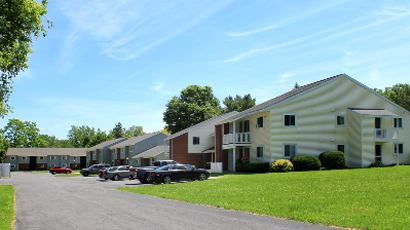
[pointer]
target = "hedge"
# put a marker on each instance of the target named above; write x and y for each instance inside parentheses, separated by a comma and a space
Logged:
(281, 165)
(207, 165)
(257, 167)
(305, 163)
(333, 160)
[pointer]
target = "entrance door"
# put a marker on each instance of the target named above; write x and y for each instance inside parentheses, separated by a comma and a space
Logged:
(378, 153)
(33, 163)
(83, 162)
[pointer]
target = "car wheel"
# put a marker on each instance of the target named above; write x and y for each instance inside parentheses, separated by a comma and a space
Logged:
(167, 180)
(202, 176)
(142, 181)
(54, 173)
(85, 173)
(105, 178)
(67, 172)
(116, 177)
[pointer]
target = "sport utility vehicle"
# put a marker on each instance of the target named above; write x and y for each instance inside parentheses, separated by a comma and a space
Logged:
(94, 169)
(60, 169)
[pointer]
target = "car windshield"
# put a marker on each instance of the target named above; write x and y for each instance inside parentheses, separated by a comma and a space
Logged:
(112, 169)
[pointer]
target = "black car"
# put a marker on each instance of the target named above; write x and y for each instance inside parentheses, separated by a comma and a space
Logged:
(94, 169)
(177, 172)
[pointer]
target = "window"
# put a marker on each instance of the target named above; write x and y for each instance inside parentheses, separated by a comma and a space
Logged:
(122, 150)
(196, 141)
(341, 147)
(41, 158)
(64, 165)
(13, 166)
(12, 158)
(131, 148)
(377, 123)
(398, 148)
(24, 158)
(42, 166)
(64, 157)
(112, 162)
(340, 120)
(74, 158)
(289, 150)
(378, 153)
(51, 165)
(246, 126)
(112, 151)
(289, 120)
(53, 158)
(398, 122)
(259, 122)
(259, 151)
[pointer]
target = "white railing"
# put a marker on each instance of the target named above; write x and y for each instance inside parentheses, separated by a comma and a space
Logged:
(386, 134)
(240, 138)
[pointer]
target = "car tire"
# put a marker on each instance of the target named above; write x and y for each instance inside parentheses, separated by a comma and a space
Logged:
(67, 172)
(54, 173)
(167, 180)
(116, 177)
(85, 174)
(105, 178)
(202, 176)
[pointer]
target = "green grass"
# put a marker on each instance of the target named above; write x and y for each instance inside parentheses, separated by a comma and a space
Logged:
(6, 206)
(377, 198)
(40, 172)
(67, 175)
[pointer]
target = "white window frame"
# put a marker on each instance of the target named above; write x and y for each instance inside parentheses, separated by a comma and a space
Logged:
(12, 158)
(401, 122)
(344, 120)
(289, 126)
(64, 165)
(74, 158)
(51, 165)
(112, 162)
(257, 122)
(337, 147)
(131, 149)
(42, 166)
(263, 151)
(24, 158)
(53, 158)
(122, 150)
(12, 165)
(41, 157)
(396, 148)
(290, 144)
(199, 140)
(64, 157)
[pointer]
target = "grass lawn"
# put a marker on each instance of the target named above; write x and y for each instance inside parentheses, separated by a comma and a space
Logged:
(376, 198)
(40, 172)
(6, 206)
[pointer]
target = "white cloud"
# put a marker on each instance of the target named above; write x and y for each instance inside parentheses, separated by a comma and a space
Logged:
(160, 87)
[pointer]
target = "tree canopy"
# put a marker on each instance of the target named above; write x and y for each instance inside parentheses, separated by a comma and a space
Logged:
(80, 136)
(195, 104)
(134, 131)
(398, 93)
(238, 103)
(118, 131)
(20, 22)
(22, 134)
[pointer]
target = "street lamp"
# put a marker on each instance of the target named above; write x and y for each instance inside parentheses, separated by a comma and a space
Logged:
(126, 162)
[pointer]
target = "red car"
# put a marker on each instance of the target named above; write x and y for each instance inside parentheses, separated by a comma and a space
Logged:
(60, 169)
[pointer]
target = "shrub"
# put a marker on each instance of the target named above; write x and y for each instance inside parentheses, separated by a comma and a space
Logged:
(305, 163)
(376, 164)
(257, 167)
(281, 165)
(207, 165)
(333, 160)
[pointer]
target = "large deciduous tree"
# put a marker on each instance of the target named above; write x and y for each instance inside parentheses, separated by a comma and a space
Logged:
(80, 136)
(22, 134)
(238, 103)
(118, 131)
(20, 22)
(134, 131)
(194, 105)
(398, 93)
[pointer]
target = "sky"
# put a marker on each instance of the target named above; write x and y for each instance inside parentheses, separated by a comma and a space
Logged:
(109, 61)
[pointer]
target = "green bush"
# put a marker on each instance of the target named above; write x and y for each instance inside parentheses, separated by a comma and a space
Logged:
(333, 160)
(207, 165)
(281, 165)
(257, 167)
(305, 163)
(376, 164)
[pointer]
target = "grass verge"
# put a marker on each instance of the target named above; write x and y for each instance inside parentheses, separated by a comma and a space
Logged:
(6, 206)
(353, 198)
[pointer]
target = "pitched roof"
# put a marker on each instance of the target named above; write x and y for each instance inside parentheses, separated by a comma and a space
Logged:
(279, 99)
(107, 143)
(374, 112)
(46, 152)
(225, 116)
(134, 140)
(153, 152)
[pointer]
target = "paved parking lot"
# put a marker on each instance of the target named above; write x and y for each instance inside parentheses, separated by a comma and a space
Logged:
(47, 202)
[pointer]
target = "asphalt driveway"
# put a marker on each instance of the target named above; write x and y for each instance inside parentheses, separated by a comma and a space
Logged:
(47, 202)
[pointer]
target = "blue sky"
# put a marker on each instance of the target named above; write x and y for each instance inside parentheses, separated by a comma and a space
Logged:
(121, 61)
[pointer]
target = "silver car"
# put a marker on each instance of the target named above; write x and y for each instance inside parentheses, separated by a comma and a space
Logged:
(115, 172)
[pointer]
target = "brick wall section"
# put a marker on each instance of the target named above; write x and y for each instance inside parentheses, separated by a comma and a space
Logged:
(24, 166)
(179, 152)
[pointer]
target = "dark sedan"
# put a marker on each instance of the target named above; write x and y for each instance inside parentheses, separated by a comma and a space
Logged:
(177, 172)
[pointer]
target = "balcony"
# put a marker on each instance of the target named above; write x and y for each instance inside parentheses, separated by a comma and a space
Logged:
(386, 135)
(240, 138)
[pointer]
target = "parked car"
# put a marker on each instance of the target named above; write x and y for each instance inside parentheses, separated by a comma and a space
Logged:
(115, 172)
(142, 173)
(177, 172)
(60, 169)
(94, 169)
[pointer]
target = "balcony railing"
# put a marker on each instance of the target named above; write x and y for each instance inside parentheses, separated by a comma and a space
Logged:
(385, 134)
(240, 138)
